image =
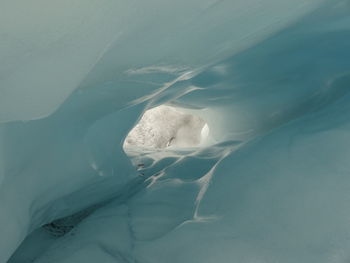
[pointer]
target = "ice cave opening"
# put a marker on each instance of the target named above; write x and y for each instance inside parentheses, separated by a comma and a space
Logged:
(168, 127)
(175, 131)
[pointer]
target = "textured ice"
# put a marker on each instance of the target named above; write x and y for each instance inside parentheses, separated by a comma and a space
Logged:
(245, 159)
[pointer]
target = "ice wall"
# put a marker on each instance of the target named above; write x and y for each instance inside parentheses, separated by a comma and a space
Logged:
(271, 79)
(48, 49)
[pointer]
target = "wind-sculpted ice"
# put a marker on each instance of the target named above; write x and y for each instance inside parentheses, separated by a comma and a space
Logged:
(234, 116)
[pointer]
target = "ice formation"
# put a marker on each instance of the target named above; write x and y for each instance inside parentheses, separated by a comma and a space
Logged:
(194, 131)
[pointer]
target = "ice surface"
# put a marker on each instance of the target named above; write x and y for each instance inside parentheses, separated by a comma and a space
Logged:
(269, 78)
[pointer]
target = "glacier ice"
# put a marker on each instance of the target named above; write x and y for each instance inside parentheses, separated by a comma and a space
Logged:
(241, 109)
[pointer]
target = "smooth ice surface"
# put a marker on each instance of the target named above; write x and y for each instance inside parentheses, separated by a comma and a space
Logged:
(268, 81)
